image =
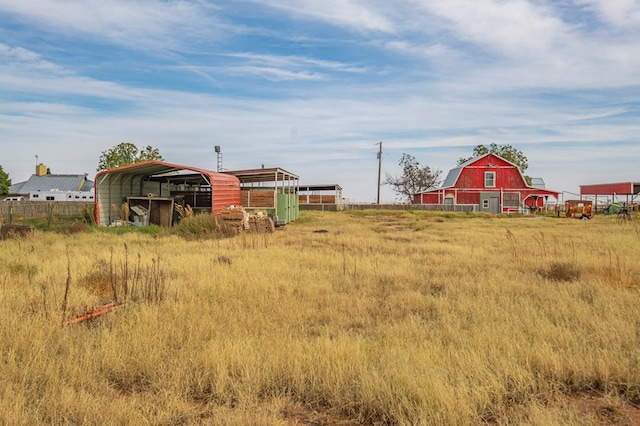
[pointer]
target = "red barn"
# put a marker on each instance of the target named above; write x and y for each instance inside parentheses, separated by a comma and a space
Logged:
(491, 184)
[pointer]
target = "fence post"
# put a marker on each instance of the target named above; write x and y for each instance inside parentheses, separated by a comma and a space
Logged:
(49, 214)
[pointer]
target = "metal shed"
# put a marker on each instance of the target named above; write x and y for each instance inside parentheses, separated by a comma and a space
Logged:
(273, 190)
(628, 190)
(156, 186)
(320, 197)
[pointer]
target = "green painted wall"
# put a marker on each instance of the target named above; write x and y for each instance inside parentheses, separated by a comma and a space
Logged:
(288, 207)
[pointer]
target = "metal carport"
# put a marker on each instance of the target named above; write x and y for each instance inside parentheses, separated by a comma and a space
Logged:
(161, 180)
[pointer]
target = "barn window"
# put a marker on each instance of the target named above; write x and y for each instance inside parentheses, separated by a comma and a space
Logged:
(50, 198)
(511, 199)
(490, 179)
(485, 204)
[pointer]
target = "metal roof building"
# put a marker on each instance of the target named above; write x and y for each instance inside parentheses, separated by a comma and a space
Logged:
(51, 182)
(156, 186)
(619, 191)
(321, 197)
(273, 190)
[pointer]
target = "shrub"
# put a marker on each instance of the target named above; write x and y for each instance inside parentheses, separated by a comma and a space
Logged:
(559, 271)
(203, 226)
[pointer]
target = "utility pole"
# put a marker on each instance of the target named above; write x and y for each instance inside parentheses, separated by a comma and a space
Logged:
(379, 168)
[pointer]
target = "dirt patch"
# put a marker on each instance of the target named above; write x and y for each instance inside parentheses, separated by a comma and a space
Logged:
(297, 414)
(604, 411)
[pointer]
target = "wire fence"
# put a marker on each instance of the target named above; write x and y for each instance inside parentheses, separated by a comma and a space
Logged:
(370, 206)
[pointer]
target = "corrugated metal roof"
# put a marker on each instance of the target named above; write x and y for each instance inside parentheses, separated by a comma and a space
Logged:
(618, 188)
(272, 174)
(452, 177)
(52, 183)
(113, 186)
(327, 187)
(537, 183)
(147, 168)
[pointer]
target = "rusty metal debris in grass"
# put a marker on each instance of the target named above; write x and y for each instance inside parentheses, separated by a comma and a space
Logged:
(95, 312)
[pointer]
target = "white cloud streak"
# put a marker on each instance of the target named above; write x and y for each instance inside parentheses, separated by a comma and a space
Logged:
(360, 15)
(136, 24)
(618, 13)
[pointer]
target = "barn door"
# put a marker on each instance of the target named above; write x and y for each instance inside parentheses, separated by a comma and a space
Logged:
(490, 202)
(494, 205)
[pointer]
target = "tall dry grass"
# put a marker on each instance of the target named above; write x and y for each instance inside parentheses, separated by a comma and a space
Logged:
(343, 318)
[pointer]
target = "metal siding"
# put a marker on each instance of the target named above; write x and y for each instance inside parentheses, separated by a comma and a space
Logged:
(464, 197)
(473, 178)
(114, 185)
(287, 207)
(469, 179)
(531, 201)
(427, 198)
(225, 191)
(607, 188)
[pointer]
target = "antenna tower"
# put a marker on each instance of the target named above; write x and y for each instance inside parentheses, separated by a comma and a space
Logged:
(219, 154)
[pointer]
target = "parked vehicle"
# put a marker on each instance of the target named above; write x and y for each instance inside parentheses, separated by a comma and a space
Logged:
(613, 208)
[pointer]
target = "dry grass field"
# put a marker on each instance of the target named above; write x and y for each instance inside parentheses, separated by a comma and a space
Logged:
(351, 318)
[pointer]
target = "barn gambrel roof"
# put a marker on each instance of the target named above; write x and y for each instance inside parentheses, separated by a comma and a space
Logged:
(454, 174)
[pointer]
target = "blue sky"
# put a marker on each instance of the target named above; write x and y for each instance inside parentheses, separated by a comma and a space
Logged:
(313, 86)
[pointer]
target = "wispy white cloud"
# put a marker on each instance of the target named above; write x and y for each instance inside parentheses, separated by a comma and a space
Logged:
(27, 59)
(291, 61)
(512, 28)
(619, 13)
(24, 71)
(274, 74)
(358, 15)
(137, 24)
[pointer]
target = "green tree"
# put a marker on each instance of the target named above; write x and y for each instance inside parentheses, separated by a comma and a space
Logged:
(414, 178)
(507, 152)
(5, 182)
(126, 153)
